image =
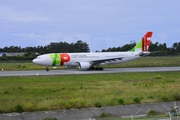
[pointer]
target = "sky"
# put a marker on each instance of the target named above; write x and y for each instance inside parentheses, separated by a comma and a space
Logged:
(100, 23)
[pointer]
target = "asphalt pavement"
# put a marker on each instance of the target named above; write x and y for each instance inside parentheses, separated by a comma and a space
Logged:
(77, 71)
(124, 111)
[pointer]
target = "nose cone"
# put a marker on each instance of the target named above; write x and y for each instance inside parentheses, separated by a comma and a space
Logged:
(42, 61)
(35, 61)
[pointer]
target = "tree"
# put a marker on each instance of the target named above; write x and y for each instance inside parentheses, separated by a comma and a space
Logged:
(81, 46)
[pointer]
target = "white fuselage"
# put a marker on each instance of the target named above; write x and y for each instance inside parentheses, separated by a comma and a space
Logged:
(76, 58)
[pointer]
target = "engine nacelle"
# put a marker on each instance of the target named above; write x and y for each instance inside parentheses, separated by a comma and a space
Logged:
(84, 65)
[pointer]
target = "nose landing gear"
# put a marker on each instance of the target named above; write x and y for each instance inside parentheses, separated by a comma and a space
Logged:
(47, 69)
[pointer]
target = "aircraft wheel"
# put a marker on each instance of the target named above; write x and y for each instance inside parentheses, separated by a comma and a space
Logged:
(91, 68)
(98, 68)
(47, 69)
(102, 68)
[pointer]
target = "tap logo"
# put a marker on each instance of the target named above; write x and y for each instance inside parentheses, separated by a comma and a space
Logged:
(64, 58)
(59, 59)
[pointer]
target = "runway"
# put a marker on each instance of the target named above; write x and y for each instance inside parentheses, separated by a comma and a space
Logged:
(77, 71)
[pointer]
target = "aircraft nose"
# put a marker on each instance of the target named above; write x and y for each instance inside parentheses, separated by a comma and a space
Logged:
(35, 61)
(42, 61)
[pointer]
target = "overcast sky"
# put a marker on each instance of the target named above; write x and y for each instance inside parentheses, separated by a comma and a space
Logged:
(100, 23)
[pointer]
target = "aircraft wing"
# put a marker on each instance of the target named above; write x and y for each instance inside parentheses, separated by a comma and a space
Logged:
(108, 60)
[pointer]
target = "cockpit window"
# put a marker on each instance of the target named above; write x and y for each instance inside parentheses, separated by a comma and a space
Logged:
(38, 58)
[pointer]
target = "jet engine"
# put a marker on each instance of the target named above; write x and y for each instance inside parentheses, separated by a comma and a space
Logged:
(84, 65)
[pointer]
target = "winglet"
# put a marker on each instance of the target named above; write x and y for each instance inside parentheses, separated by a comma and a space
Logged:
(143, 44)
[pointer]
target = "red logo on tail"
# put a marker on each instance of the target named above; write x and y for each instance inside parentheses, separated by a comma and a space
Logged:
(146, 41)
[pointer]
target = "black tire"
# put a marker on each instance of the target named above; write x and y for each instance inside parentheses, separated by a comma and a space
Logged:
(91, 68)
(47, 69)
(98, 68)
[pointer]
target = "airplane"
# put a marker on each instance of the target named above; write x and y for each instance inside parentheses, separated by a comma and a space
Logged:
(88, 61)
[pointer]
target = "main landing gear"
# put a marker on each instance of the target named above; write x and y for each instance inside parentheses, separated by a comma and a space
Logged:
(91, 68)
(95, 68)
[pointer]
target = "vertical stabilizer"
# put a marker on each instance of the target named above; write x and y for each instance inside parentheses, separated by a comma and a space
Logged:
(146, 40)
(143, 44)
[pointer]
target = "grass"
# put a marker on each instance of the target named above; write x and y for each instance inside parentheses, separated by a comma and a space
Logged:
(34, 93)
(23, 66)
(141, 62)
(160, 117)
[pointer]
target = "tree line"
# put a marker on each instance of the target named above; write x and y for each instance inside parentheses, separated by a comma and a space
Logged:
(33, 52)
(80, 46)
(159, 49)
(54, 47)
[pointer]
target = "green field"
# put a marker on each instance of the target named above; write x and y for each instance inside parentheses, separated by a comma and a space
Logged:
(33, 93)
(141, 62)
